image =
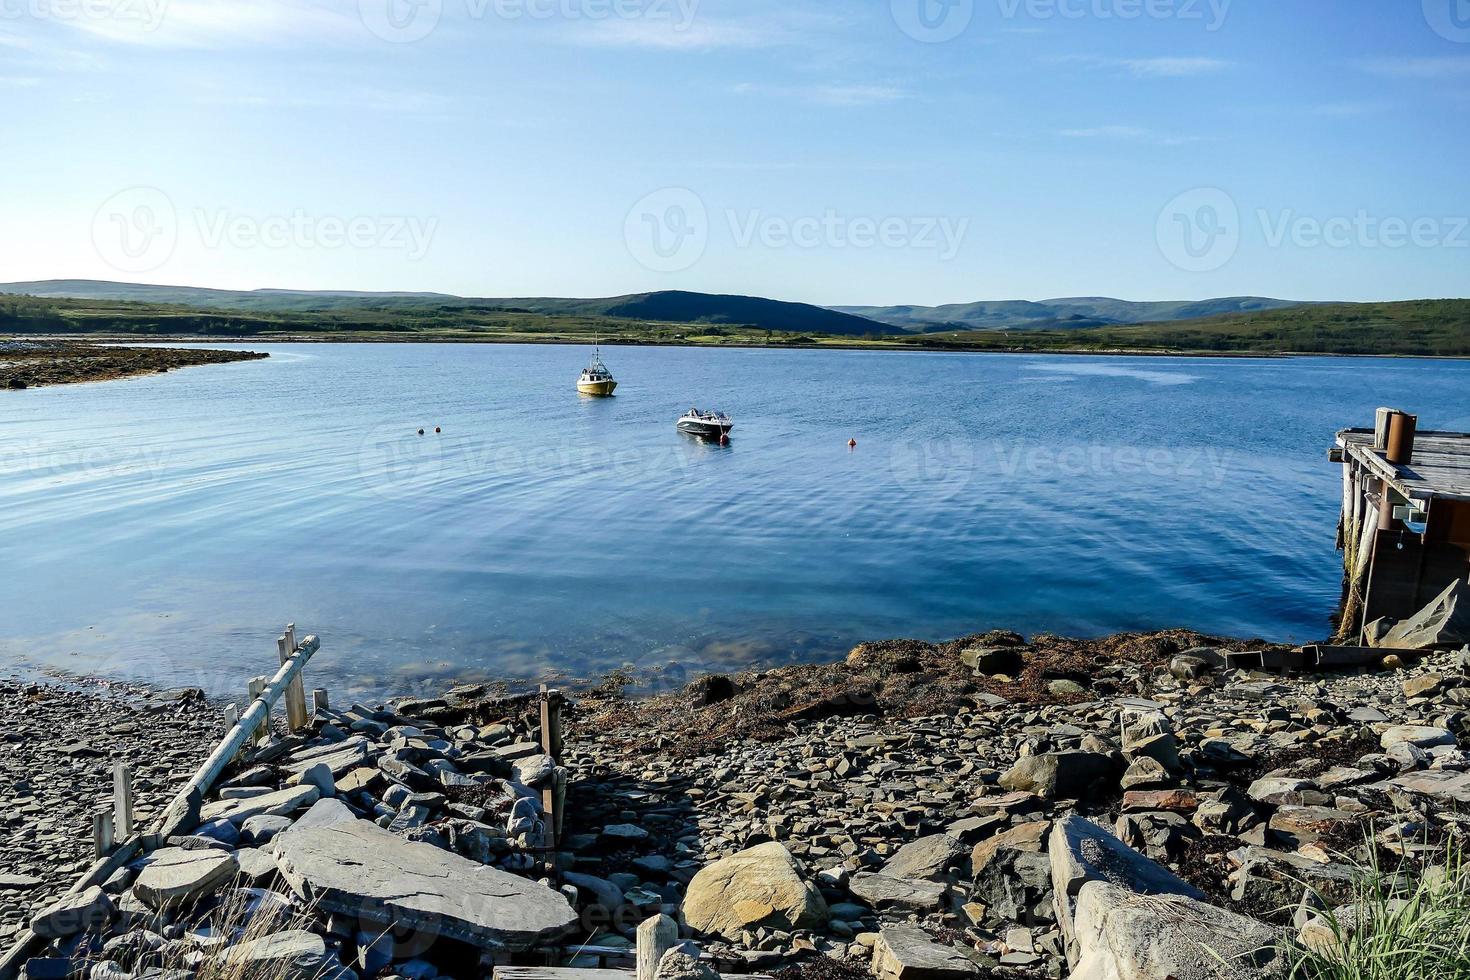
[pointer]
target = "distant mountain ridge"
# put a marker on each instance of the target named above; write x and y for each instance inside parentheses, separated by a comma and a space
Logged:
(669, 306)
(680, 306)
(1053, 314)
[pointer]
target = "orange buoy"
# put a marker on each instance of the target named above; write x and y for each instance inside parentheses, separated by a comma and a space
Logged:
(852, 444)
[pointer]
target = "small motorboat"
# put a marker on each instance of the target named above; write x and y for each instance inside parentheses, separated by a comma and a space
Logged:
(596, 379)
(706, 425)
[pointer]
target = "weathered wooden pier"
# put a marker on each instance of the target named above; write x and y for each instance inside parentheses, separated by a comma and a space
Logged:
(1405, 526)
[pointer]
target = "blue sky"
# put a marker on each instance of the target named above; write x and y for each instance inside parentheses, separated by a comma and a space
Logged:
(912, 151)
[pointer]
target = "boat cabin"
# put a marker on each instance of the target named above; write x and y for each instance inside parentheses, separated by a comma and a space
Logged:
(1405, 525)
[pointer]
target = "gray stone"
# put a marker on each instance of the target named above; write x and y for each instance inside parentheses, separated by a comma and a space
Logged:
(927, 858)
(1438, 784)
(281, 803)
(1058, 774)
(356, 868)
(1082, 852)
(260, 830)
(603, 893)
(87, 910)
(319, 775)
(175, 877)
(759, 886)
(679, 964)
(886, 893)
(293, 955)
(1123, 936)
(1424, 736)
(906, 952)
(1445, 622)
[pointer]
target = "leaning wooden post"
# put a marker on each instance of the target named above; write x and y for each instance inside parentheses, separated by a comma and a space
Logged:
(656, 936)
(319, 702)
(551, 745)
(122, 800)
(182, 815)
(296, 717)
(103, 834)
(253, 691)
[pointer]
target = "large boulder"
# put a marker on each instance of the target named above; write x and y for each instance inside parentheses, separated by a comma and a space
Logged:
(1124, 936)
(292, 955)
(905, 952)
(1059, 774)
(886, 893)
(927, 858)
(281, 803)
(87, 910)
(1012, 875)
(1445, 622)
(174, 877)
(759, 886)
(356, 868)
(1082, 852)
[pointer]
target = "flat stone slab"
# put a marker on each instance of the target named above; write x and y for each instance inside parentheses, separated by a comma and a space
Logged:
(175, 877)
(1453, 787)
(906, 952)
(293, 955)
(341, 757)
(281, 803)
(357, 868)
(884, 892)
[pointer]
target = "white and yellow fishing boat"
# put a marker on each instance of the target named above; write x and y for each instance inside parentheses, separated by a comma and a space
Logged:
(596, 378)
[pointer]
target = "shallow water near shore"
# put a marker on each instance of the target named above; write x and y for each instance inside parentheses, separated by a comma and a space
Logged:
(164, 528)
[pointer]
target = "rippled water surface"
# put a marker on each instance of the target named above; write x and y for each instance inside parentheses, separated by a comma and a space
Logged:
(164, 528)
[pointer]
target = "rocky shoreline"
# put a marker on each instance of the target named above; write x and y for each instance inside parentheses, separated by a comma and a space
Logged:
(36, 364)
(990, 807)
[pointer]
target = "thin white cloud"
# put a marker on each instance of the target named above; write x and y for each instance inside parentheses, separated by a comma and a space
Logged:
(831, 95)
(1173, 67)
(216, 23)
(1352, 110)
(673, 34)
(1449, 66)
(1170, 67)
(1129, 133)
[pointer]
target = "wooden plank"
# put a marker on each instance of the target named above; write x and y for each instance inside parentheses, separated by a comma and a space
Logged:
(122, 800)
(559, 973)
(295, 697)
(656, 936)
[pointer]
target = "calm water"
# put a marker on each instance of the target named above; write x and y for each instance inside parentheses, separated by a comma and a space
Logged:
(164, 528)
